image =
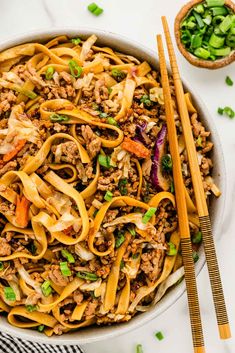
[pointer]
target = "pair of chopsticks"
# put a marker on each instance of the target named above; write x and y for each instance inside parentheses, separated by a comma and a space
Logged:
(204, 219)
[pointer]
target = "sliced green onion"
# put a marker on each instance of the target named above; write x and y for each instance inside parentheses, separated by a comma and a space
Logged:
(104, 161)
(196, 41)
(87, 275)
(226, 24)
(229, 112)
(230, 40)
(199, 8)
(46, 288)
(31, 308)
(216, 41)
(220, 52)
(146, 101)
(65, 270)
(212, 3)
(108, 196)
(202, 53)
(66, 254)
(9, 294)
(199, 20)
(220, 111)
(119, 239)
(159, 336)
(135, 256)
(139, 348)
(229, 81)
(219, 11)
(41, 328)
(95, 213)
(172, 188)
(195, 256)
(112, 121)
(172, 251)
(118, 74)
(76, 41)
(207, 20)
(132, 231)
(98, 11)
(92, 7)
(109, 90)
(167, 163)
(1, 266)
(197, 238)
(25, 92)
(75, 69)
(49, 73)
(148, 215)
(122, 186)
(57, 117)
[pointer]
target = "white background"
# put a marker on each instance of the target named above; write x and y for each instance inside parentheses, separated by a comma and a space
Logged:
(140, 20)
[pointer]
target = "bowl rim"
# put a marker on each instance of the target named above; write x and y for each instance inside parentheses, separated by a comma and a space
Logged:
(216, 64)
(112, 331)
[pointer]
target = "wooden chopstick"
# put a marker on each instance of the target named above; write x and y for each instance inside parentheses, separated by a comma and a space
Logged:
(184, 231)
(204, 218)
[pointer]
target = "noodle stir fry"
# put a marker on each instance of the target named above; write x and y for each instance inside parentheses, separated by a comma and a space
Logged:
(87, 208)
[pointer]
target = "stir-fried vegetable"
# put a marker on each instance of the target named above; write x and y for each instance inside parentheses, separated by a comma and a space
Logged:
(87, 275)
(136, 148)
(22, 211)
(65, 269)
(49, 73)
(9, 294)
(58, 117)
(66, 254)
(46, 288)
(75, 69)
(104, 161)
(10, 155)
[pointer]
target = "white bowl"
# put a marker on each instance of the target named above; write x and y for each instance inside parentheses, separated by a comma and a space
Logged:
(88, 335)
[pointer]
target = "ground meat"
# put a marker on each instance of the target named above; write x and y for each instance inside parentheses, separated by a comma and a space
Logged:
(109, 182)
(7, 208)
(59, 128)
(151, 263)
(6, 101)
(7, 167)
(66, 77)
(5, 248)
(93, 143)
(78, 296)
(68, 152)
(90, 309)
(32, 299)
(59, 329)
(56, 276)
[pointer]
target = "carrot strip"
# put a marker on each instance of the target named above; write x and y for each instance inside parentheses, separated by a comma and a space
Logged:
(22, 211)
(8, 156)
(136, 148)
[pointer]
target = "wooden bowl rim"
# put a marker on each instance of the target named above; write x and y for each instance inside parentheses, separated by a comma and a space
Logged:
(190, 57)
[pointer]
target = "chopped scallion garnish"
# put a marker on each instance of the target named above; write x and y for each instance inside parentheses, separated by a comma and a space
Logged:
(75, 69)
(76, 41)
(159, 336)
(41, 328)
(229, 81)
(104, 161)
(172, 251)
(148, 215)
(139, 348)
(50, 72)
(57, 117)
(9, 294)
(95, 9)
(195, 256)
(197, 238)
(66, 254)
(108, 196)
(65, 270)
(119, 239)
(46, 288)
(87, 275)
(31, 308)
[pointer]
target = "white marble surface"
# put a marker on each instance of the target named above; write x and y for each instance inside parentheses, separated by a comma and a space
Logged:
(140, 20)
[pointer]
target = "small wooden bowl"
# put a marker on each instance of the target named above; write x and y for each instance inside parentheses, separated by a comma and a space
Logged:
(208, 64)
